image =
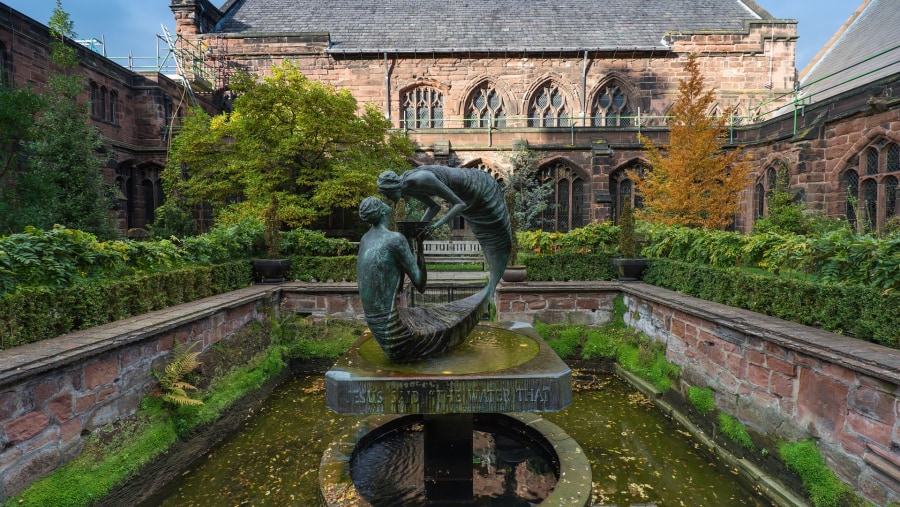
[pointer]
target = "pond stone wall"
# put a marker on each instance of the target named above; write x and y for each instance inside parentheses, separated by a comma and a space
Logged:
(55, 392)
(777, 377)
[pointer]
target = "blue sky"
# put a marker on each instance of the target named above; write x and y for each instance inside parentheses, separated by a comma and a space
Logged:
(132, 25)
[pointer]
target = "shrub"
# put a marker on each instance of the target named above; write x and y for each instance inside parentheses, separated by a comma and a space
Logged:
(600, 344)
(322, 269)
(303, 242)
(563, 267)
(33, 314)
(702, 399)
(864, 312)
(568, 341)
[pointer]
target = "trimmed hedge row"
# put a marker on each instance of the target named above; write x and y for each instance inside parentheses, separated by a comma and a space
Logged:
(322, 269)
(563, 267)
(864, 312)
(33, 314)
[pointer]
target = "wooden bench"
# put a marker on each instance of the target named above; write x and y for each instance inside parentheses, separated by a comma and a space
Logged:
(453, 251)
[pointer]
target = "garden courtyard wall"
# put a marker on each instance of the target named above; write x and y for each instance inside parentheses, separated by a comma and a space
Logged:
(777, 377)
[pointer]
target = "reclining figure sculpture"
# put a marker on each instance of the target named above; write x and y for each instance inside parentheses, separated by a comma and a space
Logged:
(412, 334)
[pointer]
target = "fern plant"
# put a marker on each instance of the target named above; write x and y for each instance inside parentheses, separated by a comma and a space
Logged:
(172, 386)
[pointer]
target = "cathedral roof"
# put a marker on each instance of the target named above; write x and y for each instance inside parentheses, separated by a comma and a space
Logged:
(375, 26)
(863, 51)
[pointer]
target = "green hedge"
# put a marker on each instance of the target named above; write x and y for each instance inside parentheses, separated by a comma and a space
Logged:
(569, 266)
(33, 314)
(322, 269)
(866, 313)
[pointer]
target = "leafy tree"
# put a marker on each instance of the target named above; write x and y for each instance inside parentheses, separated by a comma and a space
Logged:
(524, 194)
(302, 141)
(785, 215)
(58, 181)
(692, 181)
(19, 108)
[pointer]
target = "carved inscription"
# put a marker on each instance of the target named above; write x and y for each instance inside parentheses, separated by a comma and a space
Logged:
(533, 395)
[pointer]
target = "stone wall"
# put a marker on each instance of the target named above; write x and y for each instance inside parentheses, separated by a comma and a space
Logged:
(787, 380)
(778, 378)
(53, 393)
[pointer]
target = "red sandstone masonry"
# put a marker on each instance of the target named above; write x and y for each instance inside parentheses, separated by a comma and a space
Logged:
(45, 409)
(786, 388)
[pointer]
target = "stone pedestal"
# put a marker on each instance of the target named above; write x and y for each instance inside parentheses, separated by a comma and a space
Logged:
(501, 368)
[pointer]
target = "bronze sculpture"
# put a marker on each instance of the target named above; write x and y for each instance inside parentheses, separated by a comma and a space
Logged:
(474, 194)
(411, 334)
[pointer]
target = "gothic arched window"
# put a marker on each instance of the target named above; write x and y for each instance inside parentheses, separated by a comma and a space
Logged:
(102, 106)
(876, 181)
(548, 108)
(622, 189)
(765, 185)
(850, 185)
(566, 209)
(114, 107)
(611, 108)
(485, 108)
(5, 67)
(94, 97)
(423, 107)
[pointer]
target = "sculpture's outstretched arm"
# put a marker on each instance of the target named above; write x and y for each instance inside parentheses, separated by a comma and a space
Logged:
(413, 266)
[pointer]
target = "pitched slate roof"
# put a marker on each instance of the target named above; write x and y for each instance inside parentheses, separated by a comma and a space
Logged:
(866, 51)
(364, 26)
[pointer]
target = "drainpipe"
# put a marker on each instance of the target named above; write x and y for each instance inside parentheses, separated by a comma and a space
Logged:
(387, 88)
(584, 66)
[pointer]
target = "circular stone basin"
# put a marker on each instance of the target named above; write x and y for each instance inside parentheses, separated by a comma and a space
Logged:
(518, 459)
(487, 349)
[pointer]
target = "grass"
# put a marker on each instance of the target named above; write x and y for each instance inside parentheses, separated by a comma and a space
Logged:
(702, 399)
(632, 350)
(734, 430)
(115, 453)
(823, 486)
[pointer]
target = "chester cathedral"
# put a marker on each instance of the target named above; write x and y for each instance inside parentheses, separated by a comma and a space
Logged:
(574, 81)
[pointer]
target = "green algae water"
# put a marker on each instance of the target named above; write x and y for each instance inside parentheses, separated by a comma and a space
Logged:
(639, 456)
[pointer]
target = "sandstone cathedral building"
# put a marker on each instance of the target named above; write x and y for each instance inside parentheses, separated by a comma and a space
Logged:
(574, 81)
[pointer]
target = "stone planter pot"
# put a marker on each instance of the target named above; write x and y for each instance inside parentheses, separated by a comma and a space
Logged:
(271, 270)
(513, 274)
(628, 270)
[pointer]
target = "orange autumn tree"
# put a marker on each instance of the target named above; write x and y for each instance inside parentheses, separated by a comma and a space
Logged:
(692, 182)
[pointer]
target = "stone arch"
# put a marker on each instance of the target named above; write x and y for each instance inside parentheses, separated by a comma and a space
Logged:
(868, 174)
(503, 90)
(868, 138)
(568, 205)
(602, 100)
(423, 104)
(483, 165)
(543, 88)
(623, 188)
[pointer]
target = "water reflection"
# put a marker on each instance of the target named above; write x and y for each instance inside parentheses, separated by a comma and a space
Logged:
(638, 455)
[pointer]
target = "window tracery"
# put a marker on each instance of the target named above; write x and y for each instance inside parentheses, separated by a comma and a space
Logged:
(611, 108)
(485, 108)
(548, 108)
(423, 107)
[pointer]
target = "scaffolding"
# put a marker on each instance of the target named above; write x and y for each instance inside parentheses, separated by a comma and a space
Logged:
(200, 64)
